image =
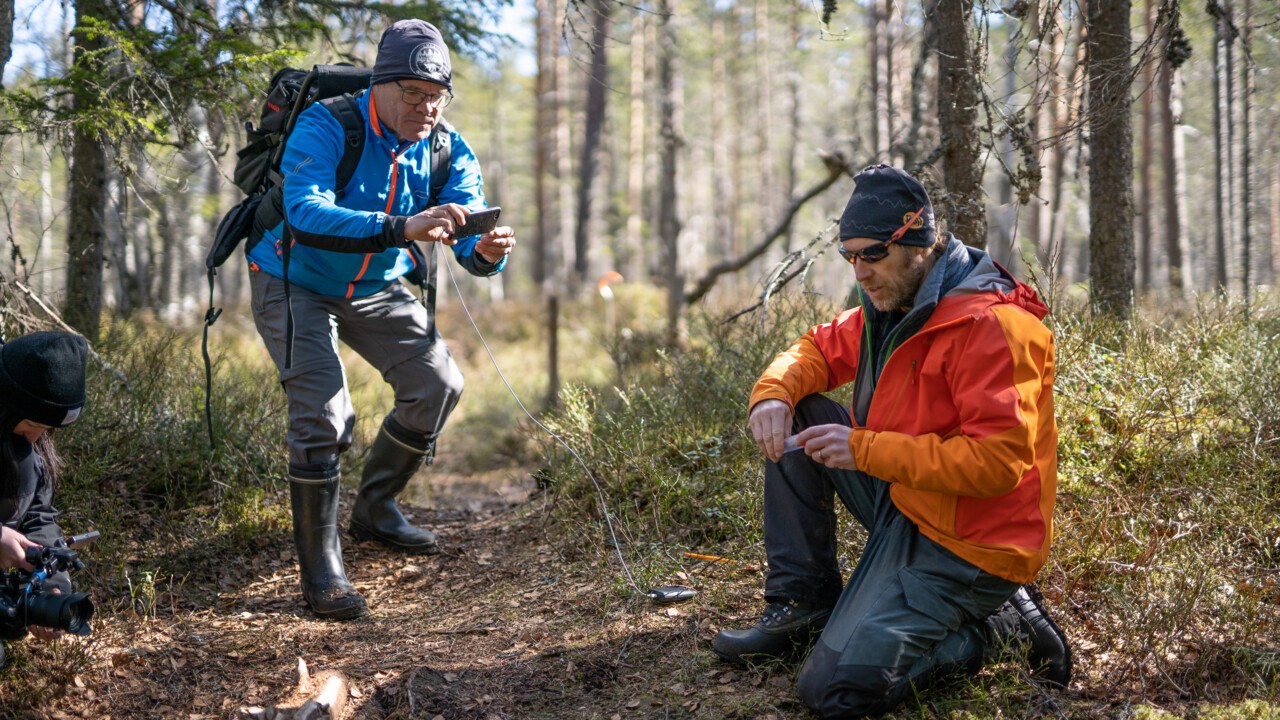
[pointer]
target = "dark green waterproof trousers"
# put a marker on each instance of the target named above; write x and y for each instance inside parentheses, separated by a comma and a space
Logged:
(912, 612)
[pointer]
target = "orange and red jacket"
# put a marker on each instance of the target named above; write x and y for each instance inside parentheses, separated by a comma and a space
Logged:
(961, 421)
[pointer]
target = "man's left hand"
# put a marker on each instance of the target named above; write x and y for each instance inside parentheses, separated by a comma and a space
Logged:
(497, 244)
(828, 445)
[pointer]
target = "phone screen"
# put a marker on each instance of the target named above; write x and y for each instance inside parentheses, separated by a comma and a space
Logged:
(478, 223)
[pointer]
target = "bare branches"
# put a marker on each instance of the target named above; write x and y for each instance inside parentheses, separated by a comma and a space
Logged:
(836, 166)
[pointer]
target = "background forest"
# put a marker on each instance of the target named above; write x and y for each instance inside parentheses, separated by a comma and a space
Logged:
(1120, 156)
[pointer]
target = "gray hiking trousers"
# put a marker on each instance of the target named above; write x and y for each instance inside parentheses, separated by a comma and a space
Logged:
(388, 329)
(911, 613)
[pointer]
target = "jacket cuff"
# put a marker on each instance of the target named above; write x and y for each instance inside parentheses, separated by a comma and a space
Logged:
(393, 231)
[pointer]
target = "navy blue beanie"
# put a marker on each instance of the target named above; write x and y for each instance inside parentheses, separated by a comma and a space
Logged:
(42, 377)
(884, 202)
(412, 50)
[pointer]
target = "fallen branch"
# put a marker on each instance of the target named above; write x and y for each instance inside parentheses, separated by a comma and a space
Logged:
(53, 314)
(836, 166)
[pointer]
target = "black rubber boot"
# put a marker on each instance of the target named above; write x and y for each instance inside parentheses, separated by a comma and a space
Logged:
(786, 628)
(393, 460)
(315, 533)
(1022, 624)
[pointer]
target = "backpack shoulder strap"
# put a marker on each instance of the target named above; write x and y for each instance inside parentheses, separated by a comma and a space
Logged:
(441, 159)
(346, 110)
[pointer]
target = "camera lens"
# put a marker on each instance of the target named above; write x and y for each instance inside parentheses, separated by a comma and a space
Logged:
(60, 612)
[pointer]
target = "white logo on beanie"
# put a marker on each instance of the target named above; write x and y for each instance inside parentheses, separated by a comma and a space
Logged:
(429, 62)
(70, 418)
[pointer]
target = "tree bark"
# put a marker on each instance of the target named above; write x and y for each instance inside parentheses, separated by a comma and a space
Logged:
(634, 246)
(1146, 163)
(1111, 242)
(82, 307)
(668, 217)
(958, 100)
(1221, 147)
(545, 186)
(6, 36)
(1173, 170)
(1246, 157)
(597, 83)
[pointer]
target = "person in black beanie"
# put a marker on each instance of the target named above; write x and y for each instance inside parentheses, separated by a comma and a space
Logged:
(349, 247)
(42, 388)
(947, 455)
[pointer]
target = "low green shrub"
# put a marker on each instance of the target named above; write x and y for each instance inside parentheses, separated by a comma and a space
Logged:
(1166, 559)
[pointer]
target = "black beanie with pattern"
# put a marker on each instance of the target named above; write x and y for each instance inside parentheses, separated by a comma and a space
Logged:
(887, 202)
(412, 50)
(42, 377)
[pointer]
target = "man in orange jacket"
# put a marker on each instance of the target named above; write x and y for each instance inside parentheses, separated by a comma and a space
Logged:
(948, 458)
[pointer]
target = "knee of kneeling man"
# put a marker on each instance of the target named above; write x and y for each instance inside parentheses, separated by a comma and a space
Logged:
(850, 691)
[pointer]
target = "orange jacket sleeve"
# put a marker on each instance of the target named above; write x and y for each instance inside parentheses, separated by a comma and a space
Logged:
(823, 358)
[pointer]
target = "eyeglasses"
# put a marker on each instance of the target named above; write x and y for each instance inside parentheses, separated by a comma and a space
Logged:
(414, 98)
(869, 255)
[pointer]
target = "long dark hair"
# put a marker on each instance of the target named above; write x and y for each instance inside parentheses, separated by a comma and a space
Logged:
(11, 449)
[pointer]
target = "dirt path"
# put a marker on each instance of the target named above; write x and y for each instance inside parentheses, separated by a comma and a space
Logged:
(506, 623)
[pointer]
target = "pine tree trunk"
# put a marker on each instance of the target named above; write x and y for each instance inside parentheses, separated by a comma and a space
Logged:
(82, 306)
(597, 84)
(1111, 243)
(1246, 158)
(958, 101)
(631, 260)
(668, 214)
(545, 185)
(6, 36)
(1145, 163)
(1222, 151)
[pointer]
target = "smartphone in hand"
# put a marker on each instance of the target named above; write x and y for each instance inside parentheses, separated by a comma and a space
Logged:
(478, 223)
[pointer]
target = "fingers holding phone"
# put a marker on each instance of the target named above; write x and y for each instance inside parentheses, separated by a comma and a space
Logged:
(436, 224)
(496, 244)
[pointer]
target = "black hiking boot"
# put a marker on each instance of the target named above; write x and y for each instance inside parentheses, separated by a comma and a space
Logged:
(786, 627)
(394, 459)
(1022, 624)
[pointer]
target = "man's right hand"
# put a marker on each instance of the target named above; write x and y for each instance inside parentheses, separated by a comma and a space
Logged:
(13, 549)
(435, 223)
(770, 423)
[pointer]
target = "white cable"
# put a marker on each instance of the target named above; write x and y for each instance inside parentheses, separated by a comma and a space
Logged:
(604, 507)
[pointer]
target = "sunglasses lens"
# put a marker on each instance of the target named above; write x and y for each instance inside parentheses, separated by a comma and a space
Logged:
(873, 254)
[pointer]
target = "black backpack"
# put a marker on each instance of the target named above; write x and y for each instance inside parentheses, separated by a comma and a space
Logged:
(257, 173)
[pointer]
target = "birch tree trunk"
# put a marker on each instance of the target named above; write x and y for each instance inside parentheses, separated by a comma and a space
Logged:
(1175, 184)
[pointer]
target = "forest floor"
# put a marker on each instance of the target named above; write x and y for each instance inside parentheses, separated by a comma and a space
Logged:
(504, 623)
(509, 621)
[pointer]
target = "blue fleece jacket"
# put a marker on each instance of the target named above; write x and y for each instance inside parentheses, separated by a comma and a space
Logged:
(349, 242)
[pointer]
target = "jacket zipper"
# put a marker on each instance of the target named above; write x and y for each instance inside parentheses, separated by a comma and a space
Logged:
(391, 198)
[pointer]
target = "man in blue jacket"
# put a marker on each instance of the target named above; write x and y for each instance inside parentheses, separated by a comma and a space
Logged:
(349, 246)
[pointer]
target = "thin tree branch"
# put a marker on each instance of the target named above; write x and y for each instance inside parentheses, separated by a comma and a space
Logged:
(836, 166)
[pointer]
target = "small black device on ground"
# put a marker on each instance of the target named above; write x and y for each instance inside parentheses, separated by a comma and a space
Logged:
(671, 594)
(478, 223)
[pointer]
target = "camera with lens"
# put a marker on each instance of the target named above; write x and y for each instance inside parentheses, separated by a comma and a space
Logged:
(25, 600)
